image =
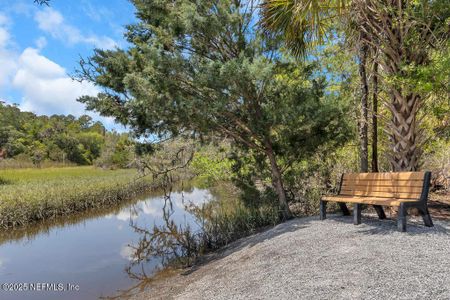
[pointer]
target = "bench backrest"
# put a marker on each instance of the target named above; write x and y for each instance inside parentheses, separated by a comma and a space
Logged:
(402, 185)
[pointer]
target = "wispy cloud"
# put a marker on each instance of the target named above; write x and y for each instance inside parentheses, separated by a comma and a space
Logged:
(96, 13)
(4, 33)
(7, 57)
(41, 42)
(52, 22)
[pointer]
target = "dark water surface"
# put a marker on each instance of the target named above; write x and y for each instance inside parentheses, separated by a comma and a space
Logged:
(90, 250)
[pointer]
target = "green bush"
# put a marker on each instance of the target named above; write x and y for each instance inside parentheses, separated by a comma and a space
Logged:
(211, 168)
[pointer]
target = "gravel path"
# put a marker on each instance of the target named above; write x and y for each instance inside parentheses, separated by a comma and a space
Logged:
(332, 259)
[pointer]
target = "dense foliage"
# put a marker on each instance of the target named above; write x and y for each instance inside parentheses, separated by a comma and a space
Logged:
(203, 69)
(25, 136)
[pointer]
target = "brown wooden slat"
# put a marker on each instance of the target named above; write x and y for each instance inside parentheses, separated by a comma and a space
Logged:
(412, 183)
(383, 181)
(381, 194)
(389, 189)
(368, 200)
(389, 176)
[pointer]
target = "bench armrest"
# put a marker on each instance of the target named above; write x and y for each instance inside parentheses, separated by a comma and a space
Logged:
(425, 187)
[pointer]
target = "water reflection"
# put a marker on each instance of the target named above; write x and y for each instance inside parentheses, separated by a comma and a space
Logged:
(173, 236)
(93, 249)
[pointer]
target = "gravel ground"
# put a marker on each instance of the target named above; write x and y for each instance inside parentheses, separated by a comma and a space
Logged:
(332, 259)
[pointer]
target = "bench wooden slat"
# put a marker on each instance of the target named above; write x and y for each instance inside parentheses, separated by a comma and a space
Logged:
(382, 188)
(409, 184)
(368, 200)
(388, 176)
(381, 194)
(384, 180)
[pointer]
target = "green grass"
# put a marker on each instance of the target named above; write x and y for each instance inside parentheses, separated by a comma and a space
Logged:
(30, 195)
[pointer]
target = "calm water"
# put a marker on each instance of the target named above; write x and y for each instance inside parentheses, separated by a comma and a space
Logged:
(90, 250)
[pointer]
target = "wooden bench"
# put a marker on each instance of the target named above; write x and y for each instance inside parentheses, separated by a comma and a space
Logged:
(403, 190)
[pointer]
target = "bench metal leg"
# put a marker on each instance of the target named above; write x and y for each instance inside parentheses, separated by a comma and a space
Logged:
(344, 209)
(401, 218)
(426, 216)
(380, 212)
(357, 214)
(323, 210)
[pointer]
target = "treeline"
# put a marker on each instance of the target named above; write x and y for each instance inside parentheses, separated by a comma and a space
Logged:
(27, 137)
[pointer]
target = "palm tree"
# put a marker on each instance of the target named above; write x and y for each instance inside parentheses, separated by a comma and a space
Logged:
(304, 24)
(400, 32)
(403, 32)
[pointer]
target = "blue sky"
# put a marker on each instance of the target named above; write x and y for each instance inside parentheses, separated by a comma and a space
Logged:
(40, 46)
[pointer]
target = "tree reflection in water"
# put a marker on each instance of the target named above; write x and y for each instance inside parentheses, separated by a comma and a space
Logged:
(161, 246)
(170, 243)
(216, 223)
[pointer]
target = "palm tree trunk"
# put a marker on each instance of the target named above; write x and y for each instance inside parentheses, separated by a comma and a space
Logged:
(375, 119)
(363, 128)
(404, 132)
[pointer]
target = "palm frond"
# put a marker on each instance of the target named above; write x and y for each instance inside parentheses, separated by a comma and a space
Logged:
(303, 23)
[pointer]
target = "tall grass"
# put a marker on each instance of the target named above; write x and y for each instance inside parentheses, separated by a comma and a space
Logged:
(30, 195)
(12, 163)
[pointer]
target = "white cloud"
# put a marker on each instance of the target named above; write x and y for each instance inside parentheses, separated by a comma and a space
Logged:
(127, 253)
(126, 215)
(52, 22)
(25, 8)
(3, 19)
(41, 42)
(149, 209)
(45, 86)
(47, 89)
(48, 19)
(7, 57)
(96, 13)
(4, 36)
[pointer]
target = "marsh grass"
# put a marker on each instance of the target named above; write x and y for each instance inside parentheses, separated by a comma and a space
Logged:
(30, 195)
(12, 163)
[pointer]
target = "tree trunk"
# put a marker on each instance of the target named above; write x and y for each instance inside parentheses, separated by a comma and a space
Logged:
(375, 119)
(363, 130)
(277, 183)
(404, 133)
(400, 40)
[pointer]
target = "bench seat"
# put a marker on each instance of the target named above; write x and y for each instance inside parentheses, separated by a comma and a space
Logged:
(402, 189)
(367, 200)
